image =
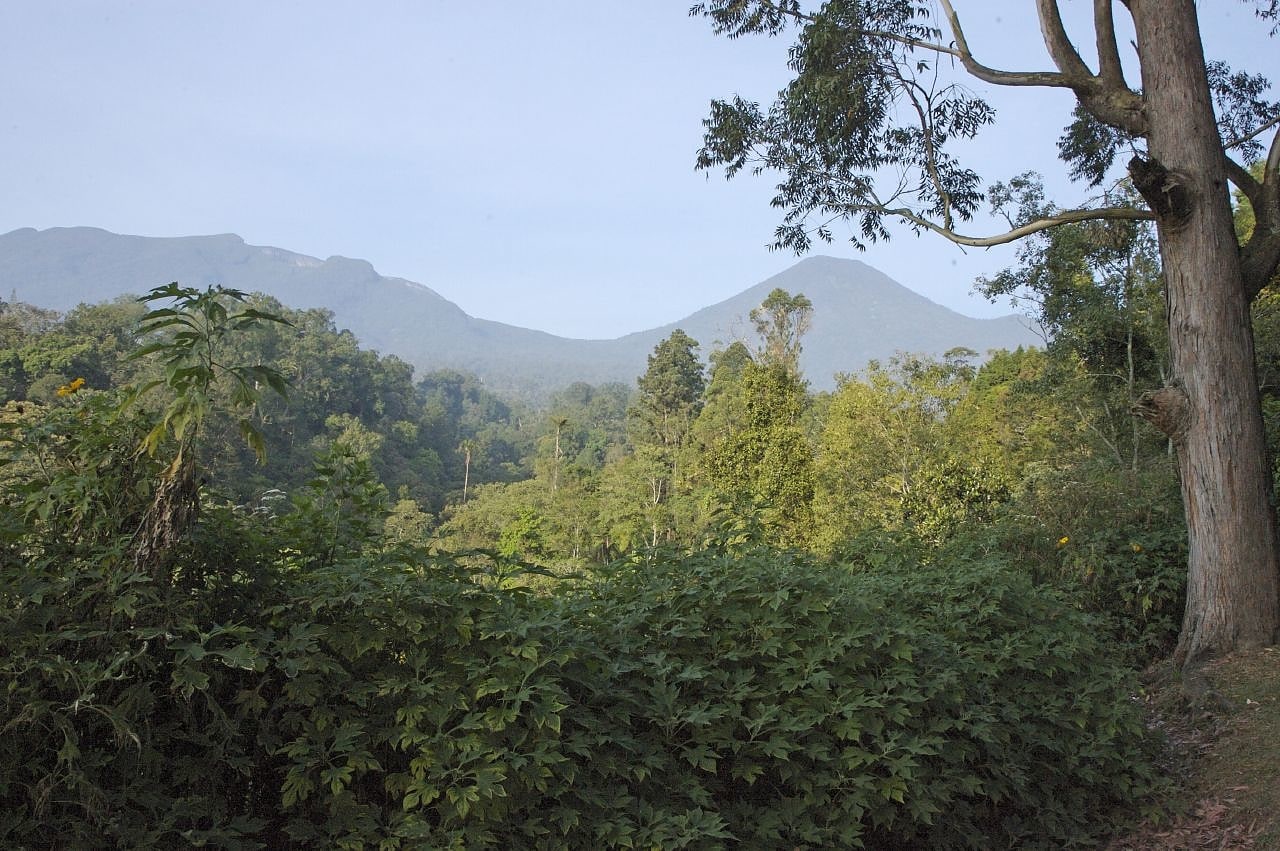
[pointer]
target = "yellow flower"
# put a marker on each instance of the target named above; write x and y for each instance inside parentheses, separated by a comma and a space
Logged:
(67, 389)
(1063, 541)
(1137, 548)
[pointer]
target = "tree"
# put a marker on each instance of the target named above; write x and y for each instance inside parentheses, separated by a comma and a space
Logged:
(883, 432)
(781, 320)
(194, 336)
(670, 391)
(764, 458)
(869, 103)
(467, 447)
(670, 398)
(1095, 289)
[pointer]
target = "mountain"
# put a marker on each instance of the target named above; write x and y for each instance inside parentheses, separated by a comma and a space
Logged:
(859, 313)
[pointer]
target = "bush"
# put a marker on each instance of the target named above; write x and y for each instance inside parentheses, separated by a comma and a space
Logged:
(282, 685)
(704, 702)
(1114, 542)
(771, 704)
(121, 726)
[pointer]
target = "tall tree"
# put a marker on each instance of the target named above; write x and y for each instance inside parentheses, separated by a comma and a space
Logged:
(670, 397)
(670, 391)
(781, 320)
(869, 102)
(764, 458)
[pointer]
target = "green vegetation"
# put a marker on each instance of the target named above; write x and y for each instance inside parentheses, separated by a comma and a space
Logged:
(260, 589)
(872, 130)
(676, 629)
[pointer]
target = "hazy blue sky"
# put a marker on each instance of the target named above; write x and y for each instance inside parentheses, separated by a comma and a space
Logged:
(531, 162)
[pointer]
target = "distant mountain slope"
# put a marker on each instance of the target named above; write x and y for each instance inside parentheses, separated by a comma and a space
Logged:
(859, 313)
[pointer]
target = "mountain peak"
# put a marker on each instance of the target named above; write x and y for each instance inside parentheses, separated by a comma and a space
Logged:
(859, 313)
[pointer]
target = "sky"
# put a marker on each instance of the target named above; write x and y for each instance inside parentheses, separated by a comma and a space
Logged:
(531, 162)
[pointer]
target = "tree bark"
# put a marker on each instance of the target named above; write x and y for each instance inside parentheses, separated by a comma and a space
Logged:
(1233, 590)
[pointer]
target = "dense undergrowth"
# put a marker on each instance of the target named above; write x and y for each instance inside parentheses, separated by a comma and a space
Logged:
(708, 701)
(183, 670)
(280, 685)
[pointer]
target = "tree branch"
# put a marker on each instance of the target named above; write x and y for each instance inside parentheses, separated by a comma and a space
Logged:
(1106, 96)
(1271, 172)
(907, 41)
(992, 75)
(931, 154)
(1260, 256)
(1110, 68)
(1255, 134)
(1244, 181)
(1061, 50)
(1066, 217)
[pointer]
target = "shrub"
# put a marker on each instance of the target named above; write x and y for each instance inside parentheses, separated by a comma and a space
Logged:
(772, 704)
(289, 685)
(1114, 542)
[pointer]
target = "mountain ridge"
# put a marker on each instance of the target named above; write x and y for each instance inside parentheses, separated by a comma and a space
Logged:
(860, 314)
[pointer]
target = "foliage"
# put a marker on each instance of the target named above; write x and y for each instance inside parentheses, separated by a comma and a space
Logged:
(866, 131)
(192, 355)
(812, 707)
(781, 321)
(671, 392)
(103, 704)
(765, 460)
(299, 680)
(1113, 541)
(390, 700)
(1096, 291)
(883, 430)
(837, 124)
(333, 384)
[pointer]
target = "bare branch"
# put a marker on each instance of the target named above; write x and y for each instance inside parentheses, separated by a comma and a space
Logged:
(1244, 181)
(1235, 143)
(1104, 25)
(992, 75)
(912, 42)
(1271, 172)
(1062, 51)
(1105, 95)
(1066, 217)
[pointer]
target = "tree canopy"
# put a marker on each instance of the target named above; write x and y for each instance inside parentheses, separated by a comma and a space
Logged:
(866, 133)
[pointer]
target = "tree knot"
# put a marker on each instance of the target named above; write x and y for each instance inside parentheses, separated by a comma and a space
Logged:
(1162, 189)
(1168, 409)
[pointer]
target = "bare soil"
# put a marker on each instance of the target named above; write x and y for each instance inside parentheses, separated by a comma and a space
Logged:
(1224, 757)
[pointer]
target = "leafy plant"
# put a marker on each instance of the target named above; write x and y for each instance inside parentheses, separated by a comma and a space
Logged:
(195, 330)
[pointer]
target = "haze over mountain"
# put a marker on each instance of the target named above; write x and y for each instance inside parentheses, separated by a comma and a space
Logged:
(860, 314)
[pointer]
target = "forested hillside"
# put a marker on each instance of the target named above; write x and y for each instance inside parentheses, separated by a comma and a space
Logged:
(670, 635)
(368, 608)
(262, 588)
(863, 313)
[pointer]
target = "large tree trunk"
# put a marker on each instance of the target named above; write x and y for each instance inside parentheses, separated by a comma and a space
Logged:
(1211, 408)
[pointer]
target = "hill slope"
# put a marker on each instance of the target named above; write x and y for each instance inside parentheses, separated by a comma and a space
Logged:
(859, 313)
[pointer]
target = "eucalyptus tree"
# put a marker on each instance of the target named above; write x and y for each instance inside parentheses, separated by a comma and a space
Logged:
(781, 320)
(865, 132)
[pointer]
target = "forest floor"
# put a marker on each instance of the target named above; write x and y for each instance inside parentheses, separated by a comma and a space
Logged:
(1224, 757)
